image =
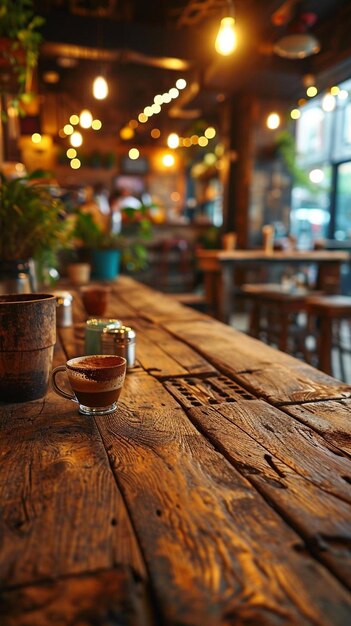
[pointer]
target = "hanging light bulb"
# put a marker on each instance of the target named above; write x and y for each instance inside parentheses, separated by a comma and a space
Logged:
(100, 88)
(85, 118)
(226, 40)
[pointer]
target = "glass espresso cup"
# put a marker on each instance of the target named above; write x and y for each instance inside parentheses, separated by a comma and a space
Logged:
(96, 381)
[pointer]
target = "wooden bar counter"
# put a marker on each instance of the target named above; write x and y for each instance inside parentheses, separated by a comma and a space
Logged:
(219, 493)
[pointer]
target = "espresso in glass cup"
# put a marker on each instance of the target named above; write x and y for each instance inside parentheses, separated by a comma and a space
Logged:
(96, 382)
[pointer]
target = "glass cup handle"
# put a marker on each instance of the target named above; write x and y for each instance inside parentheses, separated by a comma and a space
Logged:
(56, 388)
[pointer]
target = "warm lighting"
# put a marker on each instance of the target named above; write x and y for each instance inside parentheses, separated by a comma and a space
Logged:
(210, 158)
(36, 138)
(273, 121)
(158, 99)
(71, 153)
(295, 114)
(187, 142)
(175, 196)
(203, 141)
(148, 111)
(155, 133)
(100, 88)
(328, 103)
(68, 129)
(311, 91)
(301, 102)
(75, 164)
(210, 132)
(168, 160)
(156, 109)
(194, 140)
(142, 118)
(226, 40)
(126, 133)
(96, 124)
(133, 124)
(316, 176)
(74, 119)
(173, 140)
(51, 77)
(85, 119)
(174, 93)
(181, 83)
(76, 139)
(62, 133)
(335, 90)
(166, 98)
(134, 154)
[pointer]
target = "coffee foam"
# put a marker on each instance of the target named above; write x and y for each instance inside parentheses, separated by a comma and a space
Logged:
(99, 373)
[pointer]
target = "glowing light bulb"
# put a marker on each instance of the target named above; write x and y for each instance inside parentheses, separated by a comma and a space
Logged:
(226, 40)
(273, 121)
(173, 140)
(295, 114)
(100, 88)
(85, 119)
(133, 154)
(168, 160)
(76, 139)
(36, 138)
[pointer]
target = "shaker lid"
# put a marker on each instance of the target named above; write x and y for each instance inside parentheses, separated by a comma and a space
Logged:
(119, 334)
(100, 322)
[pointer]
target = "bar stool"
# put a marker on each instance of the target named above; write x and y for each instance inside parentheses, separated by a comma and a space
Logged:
(330, 319)
(278, 316)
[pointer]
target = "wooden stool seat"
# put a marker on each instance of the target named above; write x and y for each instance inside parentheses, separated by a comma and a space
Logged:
(275, 316)
(330, 318)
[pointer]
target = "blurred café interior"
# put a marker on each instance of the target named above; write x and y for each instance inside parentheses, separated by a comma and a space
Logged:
(223, 145)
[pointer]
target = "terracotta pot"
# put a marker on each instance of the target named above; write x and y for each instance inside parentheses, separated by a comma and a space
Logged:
(27, 339)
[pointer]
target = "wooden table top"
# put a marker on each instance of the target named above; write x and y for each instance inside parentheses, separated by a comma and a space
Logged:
(218, 493)
(277, 255)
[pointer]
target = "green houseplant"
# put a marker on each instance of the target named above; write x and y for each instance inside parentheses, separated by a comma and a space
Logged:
(33, 223)
(108, 250)
(19, 47)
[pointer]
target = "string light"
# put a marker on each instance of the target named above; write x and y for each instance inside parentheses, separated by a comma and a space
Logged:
(100, 88)
(173, 140)
(76, 139)
(273, 121)
(36, 138)
(226, 40)
(85, 119)
(134, 154)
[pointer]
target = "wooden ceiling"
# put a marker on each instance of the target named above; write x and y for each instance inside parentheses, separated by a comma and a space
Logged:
(145, 46)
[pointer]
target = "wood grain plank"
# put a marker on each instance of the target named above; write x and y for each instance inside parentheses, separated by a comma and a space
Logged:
(305, 483)
(263, 370)
(62, 512)
(331, 419)
(217, 553)
(106, 598)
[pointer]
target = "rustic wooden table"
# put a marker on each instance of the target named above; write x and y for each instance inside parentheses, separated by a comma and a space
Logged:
(218, 493)
(218, 267)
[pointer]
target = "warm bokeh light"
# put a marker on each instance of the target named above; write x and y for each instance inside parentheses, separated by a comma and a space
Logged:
(71, 153)
(62, 133)
(133, 124)
(335, 90)
(173, 140)
(174, 93)
(210, 132)
(68, 129)
(226, 40)
(156, 109)
(142, 118)
(166, 98)
(203, 141)
(194, 140)
(273, 121)
(126, 133)
(301, 102)
(155, 133)
(76, 139)
(168, 160)
(36, 138)
(96, 124)
(311, 91)
(74, 119)
(187, 142)
(158, 99)
(328, 103)
(75, 164)
(175, 196)
(295, 114)
(134, 154)
(85, 119)
(210, 158)
(181, 83)
(100, 88)
(148, 111)
(316, 176)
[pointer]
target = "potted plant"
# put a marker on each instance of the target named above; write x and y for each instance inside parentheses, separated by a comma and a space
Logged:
(19, 47)
(108, 252)
(33, 224)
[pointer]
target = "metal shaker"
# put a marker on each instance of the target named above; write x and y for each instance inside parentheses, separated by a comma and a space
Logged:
(120, 341)
(64, 315)
(93, 331)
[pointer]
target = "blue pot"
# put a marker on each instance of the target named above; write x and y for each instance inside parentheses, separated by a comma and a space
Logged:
(105, 264)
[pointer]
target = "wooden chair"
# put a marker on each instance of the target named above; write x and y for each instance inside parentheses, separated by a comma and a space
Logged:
(278, 316)
(330, 320)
